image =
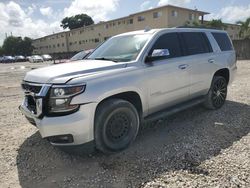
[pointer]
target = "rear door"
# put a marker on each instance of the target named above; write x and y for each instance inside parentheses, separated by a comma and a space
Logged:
(199, 56)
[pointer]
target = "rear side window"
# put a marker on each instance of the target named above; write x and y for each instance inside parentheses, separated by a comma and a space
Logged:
(168, 41)
(223, 41)
(196, 43)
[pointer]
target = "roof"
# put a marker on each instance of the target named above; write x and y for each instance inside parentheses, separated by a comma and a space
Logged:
(170, 6)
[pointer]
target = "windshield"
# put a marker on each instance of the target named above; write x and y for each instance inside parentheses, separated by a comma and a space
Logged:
(78, 56)
(121, 48)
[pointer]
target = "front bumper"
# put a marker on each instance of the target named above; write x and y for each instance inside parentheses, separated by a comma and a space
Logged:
(79, 124)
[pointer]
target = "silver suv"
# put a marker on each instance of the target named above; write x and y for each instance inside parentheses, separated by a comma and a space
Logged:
(130, 78)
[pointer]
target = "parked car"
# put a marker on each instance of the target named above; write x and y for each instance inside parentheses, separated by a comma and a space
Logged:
(27, 58)
(20, 58)
(153, 73)
(8, 59)
(35, 59)
(1, 58)
(46, 57)
(79, 56)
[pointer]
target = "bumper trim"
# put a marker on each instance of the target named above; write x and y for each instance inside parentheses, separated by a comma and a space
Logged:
(25, 111)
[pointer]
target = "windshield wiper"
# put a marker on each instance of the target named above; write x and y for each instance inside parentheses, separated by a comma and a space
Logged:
(105, 59)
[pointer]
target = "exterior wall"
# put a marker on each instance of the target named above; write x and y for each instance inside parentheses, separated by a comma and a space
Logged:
(55, 43)
(91, 36)
(233, 31)
(182, 17)
(242, 48)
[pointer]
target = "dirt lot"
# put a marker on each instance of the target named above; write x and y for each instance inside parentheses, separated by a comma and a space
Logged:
(193, 148)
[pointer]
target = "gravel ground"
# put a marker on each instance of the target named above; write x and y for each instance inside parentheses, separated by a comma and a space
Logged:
(193, 148)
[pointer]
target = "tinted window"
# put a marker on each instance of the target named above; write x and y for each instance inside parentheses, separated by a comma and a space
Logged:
(168, 41)
(223, 41)
(196, 43)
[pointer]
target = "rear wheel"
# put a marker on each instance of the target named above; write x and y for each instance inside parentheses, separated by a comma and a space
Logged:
(217, 94)
(116, 125)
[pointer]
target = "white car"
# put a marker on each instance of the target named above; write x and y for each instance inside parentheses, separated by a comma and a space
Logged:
(130, 78)
(46, 57)
(35, 59)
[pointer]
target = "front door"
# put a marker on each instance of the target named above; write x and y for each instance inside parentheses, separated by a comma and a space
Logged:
(168, 79)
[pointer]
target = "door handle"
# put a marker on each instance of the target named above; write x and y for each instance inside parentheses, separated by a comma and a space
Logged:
(183, 66)
(211, 61)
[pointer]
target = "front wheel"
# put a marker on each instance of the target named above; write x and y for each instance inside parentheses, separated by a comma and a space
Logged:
(116, 125)
(217, 94)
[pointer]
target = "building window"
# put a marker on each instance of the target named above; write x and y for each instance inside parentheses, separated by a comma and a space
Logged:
(96, 40)
(191, 16)
(62, 35)
(119, 23)
(80, 42)
(174, 13)
(62, 44)
(54, 46)
(130, 21)
(107, 26)
(58, 45)
(141, 18)
(70, 43)
(157, 14)
(113, 23)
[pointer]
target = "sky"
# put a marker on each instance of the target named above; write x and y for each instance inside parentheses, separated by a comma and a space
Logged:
(37, 18)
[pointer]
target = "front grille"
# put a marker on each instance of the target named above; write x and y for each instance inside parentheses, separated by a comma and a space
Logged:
(31, 88)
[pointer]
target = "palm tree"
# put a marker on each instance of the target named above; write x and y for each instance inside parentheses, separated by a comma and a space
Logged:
(244, 28)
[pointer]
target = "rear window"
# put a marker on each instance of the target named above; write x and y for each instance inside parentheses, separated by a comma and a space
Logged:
(223, 41)
(196, 43)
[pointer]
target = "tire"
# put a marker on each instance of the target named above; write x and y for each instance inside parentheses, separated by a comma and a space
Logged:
(116, 125)
(217, 93)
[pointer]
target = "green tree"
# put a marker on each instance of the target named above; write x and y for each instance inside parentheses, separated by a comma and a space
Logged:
(244, 28)
(17, 46)
(1, 51)
(193, 24)
(26, 46)
(76, 21)
(216, 24)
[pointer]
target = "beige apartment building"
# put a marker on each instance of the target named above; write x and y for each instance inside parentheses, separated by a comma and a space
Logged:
(89, 37)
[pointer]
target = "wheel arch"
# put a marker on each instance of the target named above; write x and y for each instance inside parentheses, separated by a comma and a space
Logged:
(224, 72)
(131, 96)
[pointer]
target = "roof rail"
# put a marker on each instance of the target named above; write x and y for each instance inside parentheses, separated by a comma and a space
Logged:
(198, 27)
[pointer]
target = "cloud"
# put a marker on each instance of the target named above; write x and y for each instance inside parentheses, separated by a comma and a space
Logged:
(173, 2)
(46, 11)
(231, 14)
(145, 5)
(15, 20)
(97, 9)
(30, 10)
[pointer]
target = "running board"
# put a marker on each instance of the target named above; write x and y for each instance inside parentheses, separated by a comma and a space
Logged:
(172, 110)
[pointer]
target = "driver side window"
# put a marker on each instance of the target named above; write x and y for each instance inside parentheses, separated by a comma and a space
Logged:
(170, 42)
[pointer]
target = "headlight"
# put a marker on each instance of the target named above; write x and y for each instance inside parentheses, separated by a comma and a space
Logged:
(61, 96)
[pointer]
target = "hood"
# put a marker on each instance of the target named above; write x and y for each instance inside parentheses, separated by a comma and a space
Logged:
(64, 72)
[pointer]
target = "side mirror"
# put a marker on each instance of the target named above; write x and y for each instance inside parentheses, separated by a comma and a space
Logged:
(158, 54)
